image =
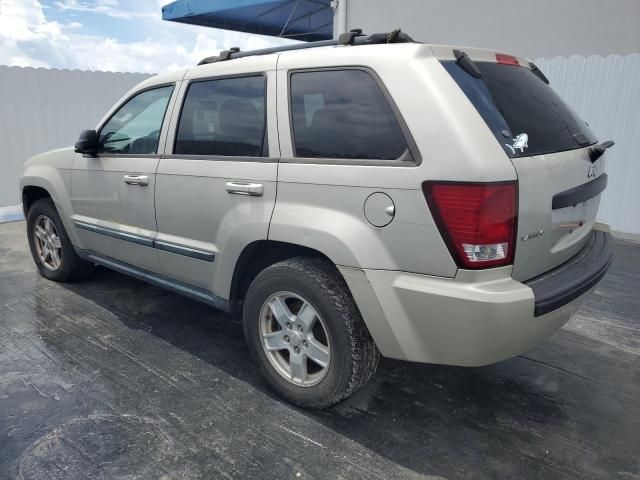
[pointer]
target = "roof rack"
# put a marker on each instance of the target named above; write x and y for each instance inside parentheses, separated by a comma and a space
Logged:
(353, 37)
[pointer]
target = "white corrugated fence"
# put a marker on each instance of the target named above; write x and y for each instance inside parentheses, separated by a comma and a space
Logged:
(44, 109)
(605, 91)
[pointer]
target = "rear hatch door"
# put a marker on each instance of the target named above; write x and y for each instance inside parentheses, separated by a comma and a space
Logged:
(548, 144)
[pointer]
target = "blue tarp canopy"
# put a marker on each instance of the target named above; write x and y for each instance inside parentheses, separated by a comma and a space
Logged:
(308, 20)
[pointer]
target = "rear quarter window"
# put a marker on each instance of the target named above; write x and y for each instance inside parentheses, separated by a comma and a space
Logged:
(524, 113)
(343, 114)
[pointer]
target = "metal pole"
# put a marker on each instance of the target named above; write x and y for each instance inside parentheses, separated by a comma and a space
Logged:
(342, 16)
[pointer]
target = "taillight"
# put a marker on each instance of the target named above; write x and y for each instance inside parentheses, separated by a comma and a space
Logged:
(505, 59)
(478, 221)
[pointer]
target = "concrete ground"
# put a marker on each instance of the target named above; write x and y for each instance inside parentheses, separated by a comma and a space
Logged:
(113, 378)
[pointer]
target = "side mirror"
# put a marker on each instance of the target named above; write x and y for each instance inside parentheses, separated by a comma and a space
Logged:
(88, 143)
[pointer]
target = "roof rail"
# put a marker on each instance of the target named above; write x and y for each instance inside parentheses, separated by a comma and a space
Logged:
(223, 55)
(349, 37)
(354, 37)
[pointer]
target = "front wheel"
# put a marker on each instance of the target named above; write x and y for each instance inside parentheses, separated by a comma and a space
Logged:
(306, 333)
(50, 246)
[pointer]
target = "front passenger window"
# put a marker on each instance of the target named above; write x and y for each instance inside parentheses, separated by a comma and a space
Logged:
(135, 128)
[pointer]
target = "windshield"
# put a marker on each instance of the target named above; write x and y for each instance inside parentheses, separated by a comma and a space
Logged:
(524, 113)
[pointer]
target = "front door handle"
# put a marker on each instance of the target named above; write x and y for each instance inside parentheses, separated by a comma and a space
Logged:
(242, 188)
(141, 180)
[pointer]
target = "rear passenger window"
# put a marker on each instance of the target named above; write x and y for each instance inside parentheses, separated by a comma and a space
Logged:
(223, 117)
(343, 114)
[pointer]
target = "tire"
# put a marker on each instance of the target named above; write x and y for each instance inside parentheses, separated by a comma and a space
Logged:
(353, 356)
(70, 267)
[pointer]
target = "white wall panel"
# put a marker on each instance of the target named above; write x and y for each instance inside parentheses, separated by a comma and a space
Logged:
(45, 109)
(540, 28)
(605, 91)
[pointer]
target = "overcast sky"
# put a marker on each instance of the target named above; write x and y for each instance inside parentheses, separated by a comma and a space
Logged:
(109, 35)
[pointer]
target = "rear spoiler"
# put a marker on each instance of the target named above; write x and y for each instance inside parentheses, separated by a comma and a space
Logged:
(469, 65)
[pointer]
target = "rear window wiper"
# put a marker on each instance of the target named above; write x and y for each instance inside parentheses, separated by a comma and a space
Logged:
(467, 64)
(597, 151)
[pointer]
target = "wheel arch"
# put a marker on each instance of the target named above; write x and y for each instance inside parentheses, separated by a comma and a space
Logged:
(41, 181)
(259, 255)
(31, 194)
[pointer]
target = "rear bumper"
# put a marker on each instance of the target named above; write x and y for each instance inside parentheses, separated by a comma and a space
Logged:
(476, 318)
(561, 285)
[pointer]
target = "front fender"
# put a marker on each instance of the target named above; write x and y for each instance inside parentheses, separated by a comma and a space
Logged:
(52, 172)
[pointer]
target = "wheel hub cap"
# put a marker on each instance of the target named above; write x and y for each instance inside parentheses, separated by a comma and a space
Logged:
(47, 242)
(295, 339)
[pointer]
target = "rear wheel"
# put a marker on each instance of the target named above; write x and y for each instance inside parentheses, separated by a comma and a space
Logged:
(305, 331)
(51, 249)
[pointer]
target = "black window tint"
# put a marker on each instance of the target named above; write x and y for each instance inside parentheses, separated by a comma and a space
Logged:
(343, 114)
(135, 127)
(223, 117)
(514, 101)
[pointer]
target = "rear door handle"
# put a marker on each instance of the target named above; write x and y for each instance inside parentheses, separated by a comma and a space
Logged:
(141, 180)
(242, 188)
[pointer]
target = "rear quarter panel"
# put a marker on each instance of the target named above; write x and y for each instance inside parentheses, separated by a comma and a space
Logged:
(320, 204)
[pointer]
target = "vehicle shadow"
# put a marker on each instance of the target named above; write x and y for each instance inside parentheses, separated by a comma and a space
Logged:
(428, 418)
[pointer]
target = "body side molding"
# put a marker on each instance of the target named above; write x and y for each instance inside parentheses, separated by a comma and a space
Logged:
(148, 242)
(110, 232)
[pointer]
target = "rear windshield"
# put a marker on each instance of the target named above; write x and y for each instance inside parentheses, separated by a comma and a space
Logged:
(526, 116)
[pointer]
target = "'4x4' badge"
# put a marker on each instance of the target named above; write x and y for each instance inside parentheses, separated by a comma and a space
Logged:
(519, 143)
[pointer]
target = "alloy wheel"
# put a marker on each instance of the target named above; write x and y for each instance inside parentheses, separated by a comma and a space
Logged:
(47, 243)
(295, 339)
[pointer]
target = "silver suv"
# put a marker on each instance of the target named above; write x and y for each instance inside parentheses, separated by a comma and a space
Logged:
(365, 196)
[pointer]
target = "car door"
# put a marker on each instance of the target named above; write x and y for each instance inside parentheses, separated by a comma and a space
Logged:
(113, 192)
(216, 183)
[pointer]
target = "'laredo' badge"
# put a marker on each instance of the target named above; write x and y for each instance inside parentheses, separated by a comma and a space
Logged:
(529, 236)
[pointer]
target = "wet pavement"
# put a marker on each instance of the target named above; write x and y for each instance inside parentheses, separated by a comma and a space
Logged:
(113, 378)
